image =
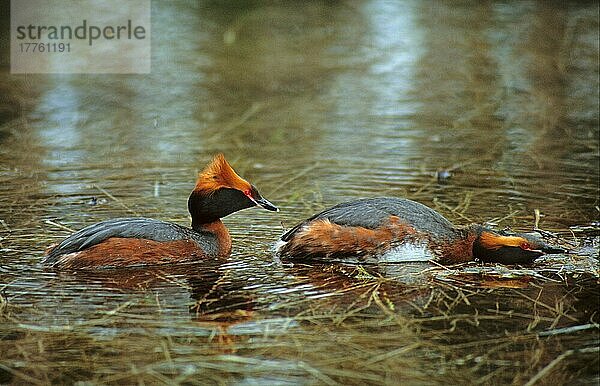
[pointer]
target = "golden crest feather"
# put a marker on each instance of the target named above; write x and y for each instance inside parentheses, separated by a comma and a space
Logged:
(492, 241)
(219, 174)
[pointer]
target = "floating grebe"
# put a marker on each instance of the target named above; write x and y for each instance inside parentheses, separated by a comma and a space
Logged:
(123, 242)
(387, 229)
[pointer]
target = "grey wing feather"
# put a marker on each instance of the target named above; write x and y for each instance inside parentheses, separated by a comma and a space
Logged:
(373, 212)
(120, 227)
(354, 213)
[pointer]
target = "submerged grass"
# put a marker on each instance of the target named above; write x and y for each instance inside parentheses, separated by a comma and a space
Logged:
(467, 324)
(368, 329)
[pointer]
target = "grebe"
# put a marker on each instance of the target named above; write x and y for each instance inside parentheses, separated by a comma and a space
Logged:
(124, 242)
(387, 229)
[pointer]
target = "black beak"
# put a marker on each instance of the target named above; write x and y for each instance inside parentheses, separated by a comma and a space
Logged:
(548, 249)
(538, 244)
(266, 204)
(256, 198)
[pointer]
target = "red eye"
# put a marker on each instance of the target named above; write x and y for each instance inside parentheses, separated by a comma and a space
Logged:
(248, 193)
(525, 246)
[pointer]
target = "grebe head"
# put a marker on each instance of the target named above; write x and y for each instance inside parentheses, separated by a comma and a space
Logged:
(518, 248)
(220, 191)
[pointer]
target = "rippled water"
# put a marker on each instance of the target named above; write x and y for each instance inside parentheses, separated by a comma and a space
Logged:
(315, 104)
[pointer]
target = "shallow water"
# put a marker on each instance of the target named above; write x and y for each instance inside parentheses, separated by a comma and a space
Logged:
(315, 104)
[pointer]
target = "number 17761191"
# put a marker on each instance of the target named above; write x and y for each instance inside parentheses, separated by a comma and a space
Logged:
(45, 47)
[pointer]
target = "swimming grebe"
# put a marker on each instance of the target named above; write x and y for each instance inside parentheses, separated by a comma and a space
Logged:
(387, 229)
(123, 242)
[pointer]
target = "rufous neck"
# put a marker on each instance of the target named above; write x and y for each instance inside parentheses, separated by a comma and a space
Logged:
(220, 231)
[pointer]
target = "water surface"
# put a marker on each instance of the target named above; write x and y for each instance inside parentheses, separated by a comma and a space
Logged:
(315, 104)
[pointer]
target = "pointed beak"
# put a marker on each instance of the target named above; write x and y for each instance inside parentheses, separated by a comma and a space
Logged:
(539, 245)
(266, 204)
(548, 249)
(255, 197)
(545, 249)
